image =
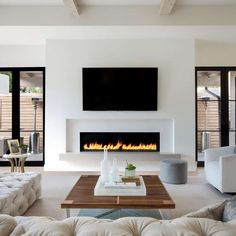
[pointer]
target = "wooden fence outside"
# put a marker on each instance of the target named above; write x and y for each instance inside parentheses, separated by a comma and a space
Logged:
(26, 116)
(212, 123)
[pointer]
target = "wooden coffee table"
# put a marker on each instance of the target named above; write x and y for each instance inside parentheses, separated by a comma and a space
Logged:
(82, 196)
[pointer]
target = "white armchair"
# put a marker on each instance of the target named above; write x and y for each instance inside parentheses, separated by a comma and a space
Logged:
(220, 168)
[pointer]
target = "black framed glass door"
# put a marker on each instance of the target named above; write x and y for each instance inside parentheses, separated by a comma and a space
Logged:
(215, 108)
(5, 109)
(232, 105)
(22, 112)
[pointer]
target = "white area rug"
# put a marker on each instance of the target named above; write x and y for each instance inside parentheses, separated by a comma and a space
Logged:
(188, 197)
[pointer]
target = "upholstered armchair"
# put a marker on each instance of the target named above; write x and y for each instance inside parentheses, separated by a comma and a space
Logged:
(220, 168)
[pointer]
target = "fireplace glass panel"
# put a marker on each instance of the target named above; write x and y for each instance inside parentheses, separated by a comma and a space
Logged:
(120, 142)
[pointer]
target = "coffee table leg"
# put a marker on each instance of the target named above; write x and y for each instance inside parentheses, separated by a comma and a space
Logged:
(67, 212)
(166, 215)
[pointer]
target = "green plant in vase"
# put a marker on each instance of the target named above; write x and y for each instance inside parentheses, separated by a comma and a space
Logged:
(130, 170)
(23, 148)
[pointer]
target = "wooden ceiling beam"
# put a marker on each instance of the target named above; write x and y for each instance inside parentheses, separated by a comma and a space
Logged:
(73, 6)
(166, 6)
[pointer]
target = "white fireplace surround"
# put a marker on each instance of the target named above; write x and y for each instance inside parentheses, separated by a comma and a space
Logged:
(75, 126)
(73, 159)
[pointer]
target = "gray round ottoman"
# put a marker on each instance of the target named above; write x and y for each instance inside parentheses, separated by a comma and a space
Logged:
(173, 171)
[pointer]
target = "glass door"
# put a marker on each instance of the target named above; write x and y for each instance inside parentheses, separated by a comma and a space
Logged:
(208, 110)
(232, 106)
(22, 110)
(31, 112)
(215, 108)
(5, 110)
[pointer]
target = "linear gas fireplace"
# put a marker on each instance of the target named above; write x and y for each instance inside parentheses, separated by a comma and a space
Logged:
(120, 141)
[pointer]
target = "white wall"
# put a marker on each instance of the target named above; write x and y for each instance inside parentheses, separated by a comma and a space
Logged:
(20, 56)
(210, 53)
(64, 62)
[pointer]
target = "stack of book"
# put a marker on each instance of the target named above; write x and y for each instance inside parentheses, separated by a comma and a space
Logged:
(120, 185)
(126, 182)
(135, 179)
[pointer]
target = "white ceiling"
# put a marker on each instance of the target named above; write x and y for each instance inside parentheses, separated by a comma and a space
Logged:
(31, 2)
(206, 2)
(112, 2)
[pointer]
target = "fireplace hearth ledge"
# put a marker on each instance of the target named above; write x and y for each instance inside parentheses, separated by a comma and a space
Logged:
(145, 161)
(136, 156)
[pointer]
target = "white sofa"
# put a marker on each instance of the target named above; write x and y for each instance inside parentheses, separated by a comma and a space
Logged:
(18, 191)
(220, 168)
(189, 225)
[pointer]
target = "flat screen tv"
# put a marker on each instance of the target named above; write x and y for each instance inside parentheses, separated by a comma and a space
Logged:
(120, 89)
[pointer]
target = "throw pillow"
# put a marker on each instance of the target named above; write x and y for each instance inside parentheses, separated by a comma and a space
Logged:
(43, 226)
(229, 212)
(211, 212)
(217, 210)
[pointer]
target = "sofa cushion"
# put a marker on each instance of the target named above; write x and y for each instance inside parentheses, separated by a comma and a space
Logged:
(229, 212)
(168, 227)
(89, 226)
(43, 226)
(7, 225)
(127, 226)
(212, 227)
(214, 211)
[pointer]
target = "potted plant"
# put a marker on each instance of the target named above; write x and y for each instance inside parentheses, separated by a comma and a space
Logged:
(130, 170)
(23, 148)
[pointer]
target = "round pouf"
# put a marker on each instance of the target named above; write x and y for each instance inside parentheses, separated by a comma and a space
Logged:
(173, 171)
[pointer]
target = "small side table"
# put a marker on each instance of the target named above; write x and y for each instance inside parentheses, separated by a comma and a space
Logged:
(12, 158)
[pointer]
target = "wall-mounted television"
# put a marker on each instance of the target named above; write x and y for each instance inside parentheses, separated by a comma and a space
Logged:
(120, 89)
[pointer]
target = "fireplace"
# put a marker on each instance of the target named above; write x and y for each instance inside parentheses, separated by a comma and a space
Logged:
(120, 141)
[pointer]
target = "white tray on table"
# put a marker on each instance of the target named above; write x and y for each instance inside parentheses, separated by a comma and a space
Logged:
(101, 190)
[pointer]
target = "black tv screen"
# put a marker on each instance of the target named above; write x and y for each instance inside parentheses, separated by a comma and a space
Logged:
(120, 89)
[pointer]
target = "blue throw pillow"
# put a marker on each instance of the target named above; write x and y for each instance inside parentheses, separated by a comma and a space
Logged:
(229, 212)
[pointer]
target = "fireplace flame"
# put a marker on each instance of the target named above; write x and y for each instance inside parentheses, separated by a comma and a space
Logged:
(120, 146)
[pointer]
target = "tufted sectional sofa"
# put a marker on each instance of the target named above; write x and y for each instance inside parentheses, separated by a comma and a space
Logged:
(204, 222)
(128, 226)
(18, 191)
